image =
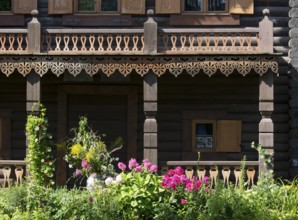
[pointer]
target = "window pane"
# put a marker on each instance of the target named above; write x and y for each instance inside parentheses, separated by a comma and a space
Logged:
(109, 5)
(5, 5)
(86, 5)
(193, 5)
(216, 5)
(204, 136)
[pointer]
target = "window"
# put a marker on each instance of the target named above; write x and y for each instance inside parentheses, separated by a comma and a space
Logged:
(203, 134)
(97, 6)
(205, 6)
(216, 135)
(5, 6)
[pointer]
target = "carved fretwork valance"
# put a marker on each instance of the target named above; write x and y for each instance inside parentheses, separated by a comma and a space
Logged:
(139, 64)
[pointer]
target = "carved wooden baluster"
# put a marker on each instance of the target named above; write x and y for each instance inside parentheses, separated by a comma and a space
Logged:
(191, 39)
(20, 41)
(110, 41)
(216, 41)
(19, 171)
(250, 175)
(224, 40)
(6, 174)
(248, 42)
(226, 172)
(143, 43)
(100, 40)
(183, 42)
(92, 41)
(165, 41)
(237, 173)
(189, 172)
(26, 38)
(49, 41)
(58, 41)
(174, 41)
(118, 42)
(241, 40)
(207, 41)
(11, 40)
(66, 42)
(201, 172)
(83, 41)
(164, 170)
(2, 41)
(233, 42)
(213, 174)
(126, 40)
(200, 42)
(135, 40)
(75, 40)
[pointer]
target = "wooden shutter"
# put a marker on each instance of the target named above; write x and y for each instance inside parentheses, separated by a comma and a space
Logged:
(60, 6)
(133, 6)
(228, 136)
(24, 6)
(241, 6)
(168, 6)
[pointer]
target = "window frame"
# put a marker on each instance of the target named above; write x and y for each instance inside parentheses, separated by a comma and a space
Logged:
(97, 9)
(203, 121)
(204, 10)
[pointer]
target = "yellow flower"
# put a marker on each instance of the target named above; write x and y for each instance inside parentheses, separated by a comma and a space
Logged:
(76, 150)
(90, 154)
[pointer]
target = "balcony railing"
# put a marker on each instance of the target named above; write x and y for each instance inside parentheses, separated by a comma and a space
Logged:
(228, 171)
(7, 176)
(132, 41)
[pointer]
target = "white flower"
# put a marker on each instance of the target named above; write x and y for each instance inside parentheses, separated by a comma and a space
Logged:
(109, 181)
(119, 179)
(70, 166)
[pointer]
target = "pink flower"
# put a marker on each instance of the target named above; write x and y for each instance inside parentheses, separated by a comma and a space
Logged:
(198, 184)
(78, 172)
(121, 166)
(138, 169)
(189, 186)
(147, 165)
(132, 163)
(179, 171)
(206, 179)
(171, 172)
(153, 168)
(85, 164)
(183, 201)
(145, 161)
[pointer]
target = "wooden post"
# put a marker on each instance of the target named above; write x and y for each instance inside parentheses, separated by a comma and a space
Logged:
(266, 96)
(150, 93)
(34, 33)
(266, 126)
(266, 33)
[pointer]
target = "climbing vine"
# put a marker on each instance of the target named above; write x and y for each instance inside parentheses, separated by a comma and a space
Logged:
(40, 161)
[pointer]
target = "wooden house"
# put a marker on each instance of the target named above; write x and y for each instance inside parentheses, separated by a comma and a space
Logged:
(188, 76)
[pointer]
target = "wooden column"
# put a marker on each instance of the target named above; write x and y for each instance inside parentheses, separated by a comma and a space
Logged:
(266, 127)
(266, 95)
(150, 93)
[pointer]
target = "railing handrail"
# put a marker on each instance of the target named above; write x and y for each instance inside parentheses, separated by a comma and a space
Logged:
(207, 30)
(13, 162)
(92, 31)
(210, 163)
(13, 31)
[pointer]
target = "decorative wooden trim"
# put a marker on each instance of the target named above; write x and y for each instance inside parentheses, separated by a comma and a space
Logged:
(175, 65)
(63, 91)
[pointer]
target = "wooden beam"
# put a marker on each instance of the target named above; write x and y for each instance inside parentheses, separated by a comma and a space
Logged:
(34, 34)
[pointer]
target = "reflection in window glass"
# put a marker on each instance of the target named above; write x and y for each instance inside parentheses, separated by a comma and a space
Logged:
(193, 5)
(109, 5)
(204, 135)
(216, 5)
(86, 5)
(5, 5)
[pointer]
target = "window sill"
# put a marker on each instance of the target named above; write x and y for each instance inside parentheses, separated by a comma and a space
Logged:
(204, 19)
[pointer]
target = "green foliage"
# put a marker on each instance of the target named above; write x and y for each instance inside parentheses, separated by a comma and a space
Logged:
(139, 193)
(268, 158)
(41, 165)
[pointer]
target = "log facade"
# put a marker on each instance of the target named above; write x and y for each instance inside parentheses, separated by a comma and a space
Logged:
(151, 82)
